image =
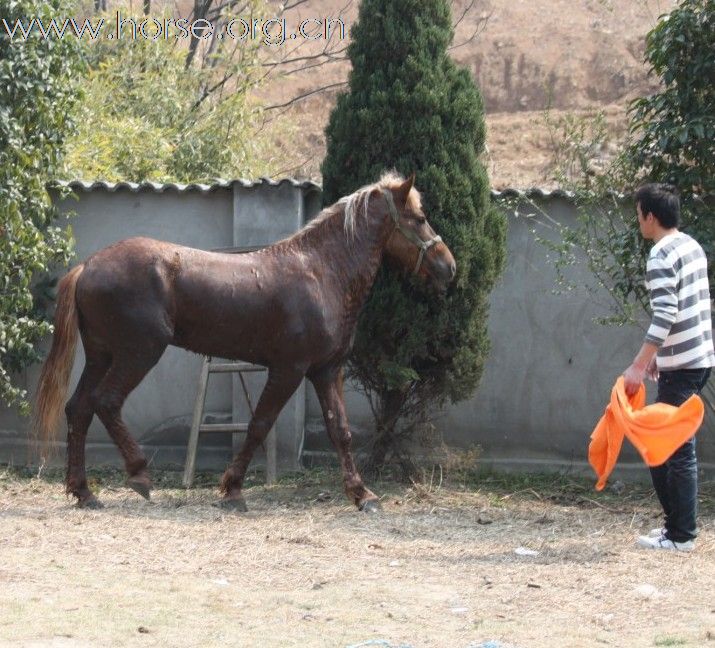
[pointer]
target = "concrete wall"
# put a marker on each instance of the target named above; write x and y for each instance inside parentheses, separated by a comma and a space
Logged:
(545, 385)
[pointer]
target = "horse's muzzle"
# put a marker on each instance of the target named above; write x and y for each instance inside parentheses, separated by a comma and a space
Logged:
(443, 272)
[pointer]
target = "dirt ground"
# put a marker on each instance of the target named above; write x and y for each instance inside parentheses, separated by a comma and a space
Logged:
(439, 566)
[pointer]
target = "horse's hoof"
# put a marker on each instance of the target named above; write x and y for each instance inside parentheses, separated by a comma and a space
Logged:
(370, 506)
(141, 485)
(91, 503)
(235, 504)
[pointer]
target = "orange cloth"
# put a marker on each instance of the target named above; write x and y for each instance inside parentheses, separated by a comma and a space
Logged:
(656, 431)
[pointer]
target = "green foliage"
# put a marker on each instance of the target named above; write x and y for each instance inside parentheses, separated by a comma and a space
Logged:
(606, 236)
(671, 139)
(410, 108)
(674, 129)
(575, 143)
(148, 114)
(37, 93)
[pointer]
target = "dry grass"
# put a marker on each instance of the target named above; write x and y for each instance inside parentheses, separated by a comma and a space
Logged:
(436, 568)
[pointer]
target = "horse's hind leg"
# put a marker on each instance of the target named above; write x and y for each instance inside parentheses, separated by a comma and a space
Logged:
(129, 366)
(280, 386)
(329, 388)
(79, 411)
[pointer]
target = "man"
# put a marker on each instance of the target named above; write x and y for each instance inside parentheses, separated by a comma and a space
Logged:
(677, 352)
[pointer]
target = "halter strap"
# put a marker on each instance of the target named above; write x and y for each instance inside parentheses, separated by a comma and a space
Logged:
(409, 234)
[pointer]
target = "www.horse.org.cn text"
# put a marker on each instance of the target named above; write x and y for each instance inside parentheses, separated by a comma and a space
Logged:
(270, 31)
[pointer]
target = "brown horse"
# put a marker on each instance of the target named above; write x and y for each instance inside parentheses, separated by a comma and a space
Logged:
(291, 307)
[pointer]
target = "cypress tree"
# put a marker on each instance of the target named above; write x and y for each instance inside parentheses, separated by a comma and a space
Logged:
(410, 108)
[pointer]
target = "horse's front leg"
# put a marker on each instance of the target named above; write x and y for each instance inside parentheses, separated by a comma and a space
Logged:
(329, 387)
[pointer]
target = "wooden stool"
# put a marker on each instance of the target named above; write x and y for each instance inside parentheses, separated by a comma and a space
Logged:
(235, 428)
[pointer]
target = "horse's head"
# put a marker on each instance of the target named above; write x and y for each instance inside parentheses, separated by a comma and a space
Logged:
(413, 244)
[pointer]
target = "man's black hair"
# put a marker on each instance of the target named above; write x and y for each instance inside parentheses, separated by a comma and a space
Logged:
(662, 201)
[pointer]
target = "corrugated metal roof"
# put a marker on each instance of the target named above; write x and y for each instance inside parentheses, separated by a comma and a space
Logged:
(161, 187)
(530, 192)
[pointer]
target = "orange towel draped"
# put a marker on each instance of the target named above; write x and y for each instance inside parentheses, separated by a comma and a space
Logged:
(656, 431)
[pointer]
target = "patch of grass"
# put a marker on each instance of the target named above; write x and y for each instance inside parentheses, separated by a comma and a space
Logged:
(670, 641)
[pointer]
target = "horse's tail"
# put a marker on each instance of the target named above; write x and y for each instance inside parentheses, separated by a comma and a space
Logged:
(52, 387)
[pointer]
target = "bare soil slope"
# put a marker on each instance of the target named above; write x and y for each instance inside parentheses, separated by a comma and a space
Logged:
(566, 55)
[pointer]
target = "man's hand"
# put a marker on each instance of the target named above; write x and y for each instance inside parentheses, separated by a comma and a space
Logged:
(652, 370)
(632, 378)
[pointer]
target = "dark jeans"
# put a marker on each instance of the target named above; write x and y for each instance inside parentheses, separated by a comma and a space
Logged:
(676, 481)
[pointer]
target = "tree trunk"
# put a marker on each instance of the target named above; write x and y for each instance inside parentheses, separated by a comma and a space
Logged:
(385, 442)
(201, 8)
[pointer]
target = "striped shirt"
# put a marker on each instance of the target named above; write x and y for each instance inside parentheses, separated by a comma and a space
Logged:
(677, 280)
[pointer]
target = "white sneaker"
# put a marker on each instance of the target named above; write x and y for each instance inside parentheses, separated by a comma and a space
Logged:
(656, 533)
(661, 542)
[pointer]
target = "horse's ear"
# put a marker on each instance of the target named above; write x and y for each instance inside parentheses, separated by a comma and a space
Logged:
(404, 189)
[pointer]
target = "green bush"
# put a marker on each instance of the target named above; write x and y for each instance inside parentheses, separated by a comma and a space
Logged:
(671, 139)
(149, 114)
(409, 107)
(673, 130)
(37, 94)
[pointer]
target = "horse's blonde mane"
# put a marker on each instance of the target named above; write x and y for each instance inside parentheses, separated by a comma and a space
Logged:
(357, 202)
